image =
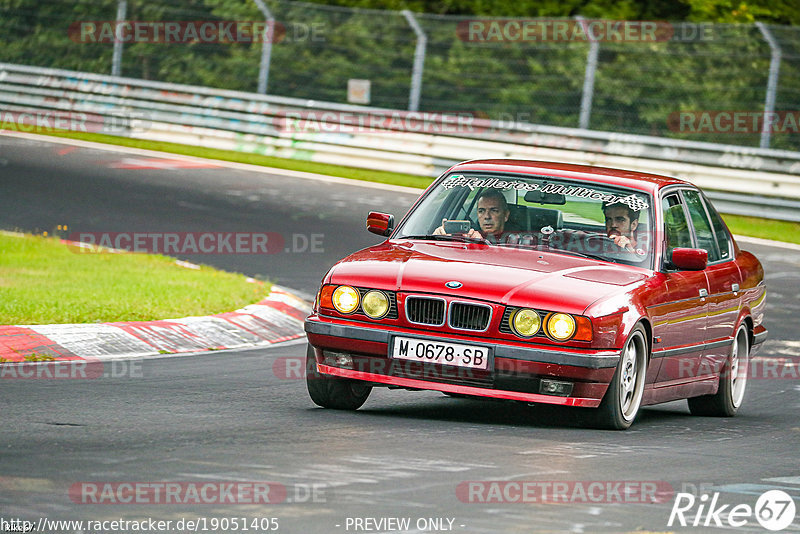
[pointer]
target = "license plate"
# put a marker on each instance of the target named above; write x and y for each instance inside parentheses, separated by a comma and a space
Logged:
(444, 353)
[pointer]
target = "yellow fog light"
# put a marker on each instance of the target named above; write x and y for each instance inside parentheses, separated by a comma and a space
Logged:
(525, 322)
(345, 299)
(375, 304)
(560, 326)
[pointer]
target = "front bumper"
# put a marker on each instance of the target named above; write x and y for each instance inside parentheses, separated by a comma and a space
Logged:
(515, 372)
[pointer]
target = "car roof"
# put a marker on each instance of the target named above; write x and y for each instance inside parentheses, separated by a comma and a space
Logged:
(619, 177)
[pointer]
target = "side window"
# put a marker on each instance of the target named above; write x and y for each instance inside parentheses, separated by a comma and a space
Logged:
(702, 226)
(676, 228)
(723, 237)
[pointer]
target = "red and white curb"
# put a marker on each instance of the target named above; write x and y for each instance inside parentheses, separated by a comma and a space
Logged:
(277, 318)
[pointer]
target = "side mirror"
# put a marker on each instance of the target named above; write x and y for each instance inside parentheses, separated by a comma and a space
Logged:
(380, 223)
(689, 259)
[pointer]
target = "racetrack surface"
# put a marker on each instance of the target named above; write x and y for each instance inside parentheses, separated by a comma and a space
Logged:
(244, 416)
(46, 184)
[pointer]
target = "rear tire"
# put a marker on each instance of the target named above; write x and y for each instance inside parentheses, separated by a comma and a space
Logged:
(732, 382)
(332, 392)
(620, 406)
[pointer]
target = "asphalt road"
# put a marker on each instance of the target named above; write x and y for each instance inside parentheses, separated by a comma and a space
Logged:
(243, 416)
(44, 184)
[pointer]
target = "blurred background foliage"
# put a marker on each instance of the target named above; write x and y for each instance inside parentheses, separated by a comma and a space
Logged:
(717, 58)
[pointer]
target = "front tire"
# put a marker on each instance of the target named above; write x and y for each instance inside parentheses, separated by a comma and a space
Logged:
(620, 406)
(332, 392)
(732, 382)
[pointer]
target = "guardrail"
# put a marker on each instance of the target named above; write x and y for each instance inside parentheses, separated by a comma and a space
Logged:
(751, 181)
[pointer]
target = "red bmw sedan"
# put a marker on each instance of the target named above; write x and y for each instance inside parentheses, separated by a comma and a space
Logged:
(544, 283)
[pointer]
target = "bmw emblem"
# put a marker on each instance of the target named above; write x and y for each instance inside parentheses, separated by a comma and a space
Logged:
(453, 284)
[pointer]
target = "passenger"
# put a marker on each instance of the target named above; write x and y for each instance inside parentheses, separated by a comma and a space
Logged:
(493, 214)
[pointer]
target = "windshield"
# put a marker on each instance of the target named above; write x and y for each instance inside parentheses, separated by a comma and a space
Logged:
(536, 213)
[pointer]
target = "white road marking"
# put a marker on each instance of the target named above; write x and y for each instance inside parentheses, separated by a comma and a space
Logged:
(784, 480)
(766, 242)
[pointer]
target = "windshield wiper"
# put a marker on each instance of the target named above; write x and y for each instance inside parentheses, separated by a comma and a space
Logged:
(575, 253)
(445, 237)
(543, 247)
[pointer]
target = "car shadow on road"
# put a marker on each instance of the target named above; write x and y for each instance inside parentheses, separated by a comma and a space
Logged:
(496, 412)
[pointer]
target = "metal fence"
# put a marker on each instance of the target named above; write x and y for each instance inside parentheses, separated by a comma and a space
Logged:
(748, 181)
(698, 82)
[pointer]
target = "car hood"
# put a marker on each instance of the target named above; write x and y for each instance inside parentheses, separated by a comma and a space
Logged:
(516, 277)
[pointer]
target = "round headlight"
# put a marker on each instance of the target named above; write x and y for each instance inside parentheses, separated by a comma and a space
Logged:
(375, 304)
(561, 326)
(345, 299)
(525, 322)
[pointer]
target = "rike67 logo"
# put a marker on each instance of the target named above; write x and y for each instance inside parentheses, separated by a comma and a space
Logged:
(774, 510)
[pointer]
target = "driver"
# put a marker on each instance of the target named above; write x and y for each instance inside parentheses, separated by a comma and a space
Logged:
(493, 214)
(621, 224)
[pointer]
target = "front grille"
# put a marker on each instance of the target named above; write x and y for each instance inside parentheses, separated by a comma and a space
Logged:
(423, 310)
(469, 316)
(504, 327)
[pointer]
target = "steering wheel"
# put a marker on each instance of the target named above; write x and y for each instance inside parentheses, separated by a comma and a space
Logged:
(601, 243)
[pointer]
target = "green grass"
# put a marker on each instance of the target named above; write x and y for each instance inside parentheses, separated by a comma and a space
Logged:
(786, 231)
(749, 226)
(42, 281)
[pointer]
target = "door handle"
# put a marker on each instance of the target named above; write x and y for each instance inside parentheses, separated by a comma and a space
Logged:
(735, 288)
(704, 293)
